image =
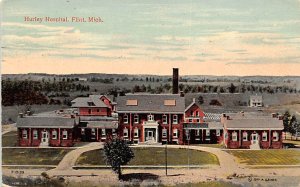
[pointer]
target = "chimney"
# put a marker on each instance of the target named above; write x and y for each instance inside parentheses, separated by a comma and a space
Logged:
(175, 80)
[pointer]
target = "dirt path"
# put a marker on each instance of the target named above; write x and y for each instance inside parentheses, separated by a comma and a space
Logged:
(8, 128)
(70, 158)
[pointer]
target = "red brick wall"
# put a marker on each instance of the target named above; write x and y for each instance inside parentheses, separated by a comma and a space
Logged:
(95, 112)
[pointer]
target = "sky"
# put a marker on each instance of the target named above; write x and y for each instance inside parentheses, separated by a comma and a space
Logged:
(203, 37)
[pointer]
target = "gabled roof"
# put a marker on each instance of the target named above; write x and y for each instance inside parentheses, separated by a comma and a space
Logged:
(193, 103)
(252, 121)
(45, 122)
(151, 103)
(91, 101)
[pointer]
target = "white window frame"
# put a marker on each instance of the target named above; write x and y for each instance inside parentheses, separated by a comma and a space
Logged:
(125, 133)
(24, 134)
(35, 134)
(103, 133)
(264, 136)
(190, 120)
(150, 117)
(275, 136)
(136, 132)
(218, 132)
(198, 120)
(197, 114)
(93, 131)
(165, 119)
(175, 119)
(65, 135)
(125, 119)
(136, 118)
(164, 133)
(207, 132)
(192, 113)
(245, 136)
(197, 133)
(234, 136)
(54, 134)
(175, 133)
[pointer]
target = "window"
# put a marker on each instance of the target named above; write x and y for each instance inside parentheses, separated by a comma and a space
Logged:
(198, 120)
(175, 119)
(98, 110)
(187, 134)
(150, 117)
(175, 133)
(197, 113)
(35, 134)
(234, 136)
(125, 132)
(125, 119)
(165, 119)
(136, 132)
(103, 133)
(218, 132)
(190, 120)
(93, 132)
(245, 136)
(197, 133)
(264, 136)
(82, 131)
(136, 118)
(164, 133)
(24, 134)
(192, 113)
(207, 132)
(65, 135)
(275, 136)
(90, 111)
(54, 135)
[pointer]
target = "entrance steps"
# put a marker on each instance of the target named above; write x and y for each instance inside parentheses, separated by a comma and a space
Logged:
(255, 147)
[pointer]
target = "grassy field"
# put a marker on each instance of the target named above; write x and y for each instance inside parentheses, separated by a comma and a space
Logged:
(267, 157)
(32, 156)
(154, 156)
(9, 139)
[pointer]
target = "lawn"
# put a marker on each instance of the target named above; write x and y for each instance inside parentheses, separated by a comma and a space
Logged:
(9, 139)
(267, 157)
(33, 156)
(154, 156)
(211, 145)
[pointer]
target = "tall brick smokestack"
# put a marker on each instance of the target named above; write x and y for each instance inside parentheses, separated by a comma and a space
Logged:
(175, 80)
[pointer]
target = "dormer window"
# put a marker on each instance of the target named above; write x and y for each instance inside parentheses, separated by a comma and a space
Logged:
(91, 104)
(150, 117)
(125, 119)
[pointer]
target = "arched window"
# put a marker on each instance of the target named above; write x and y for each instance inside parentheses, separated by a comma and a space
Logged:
(136, 118)
(125, 132)
(24, 134)
(65, 134)
(136, 132)
(164, 133)
(165, 119)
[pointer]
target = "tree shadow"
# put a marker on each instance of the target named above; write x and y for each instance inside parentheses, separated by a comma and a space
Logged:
(139, 177)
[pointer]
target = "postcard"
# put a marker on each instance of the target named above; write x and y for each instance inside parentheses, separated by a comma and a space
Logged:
(150, 93)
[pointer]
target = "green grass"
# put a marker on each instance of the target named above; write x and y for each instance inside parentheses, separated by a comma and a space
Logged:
(210, 145)
(32, 156)
(9, 139)
(154, 156)
(267, 157)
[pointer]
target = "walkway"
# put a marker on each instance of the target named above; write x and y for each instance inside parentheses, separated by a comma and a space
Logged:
(70, 158)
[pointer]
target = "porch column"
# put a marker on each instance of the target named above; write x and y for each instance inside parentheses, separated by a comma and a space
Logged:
(202, 136)
(59, 136)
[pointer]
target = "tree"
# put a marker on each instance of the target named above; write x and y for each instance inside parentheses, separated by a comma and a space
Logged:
(200, 100)
(117, 153)
(232, 88)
